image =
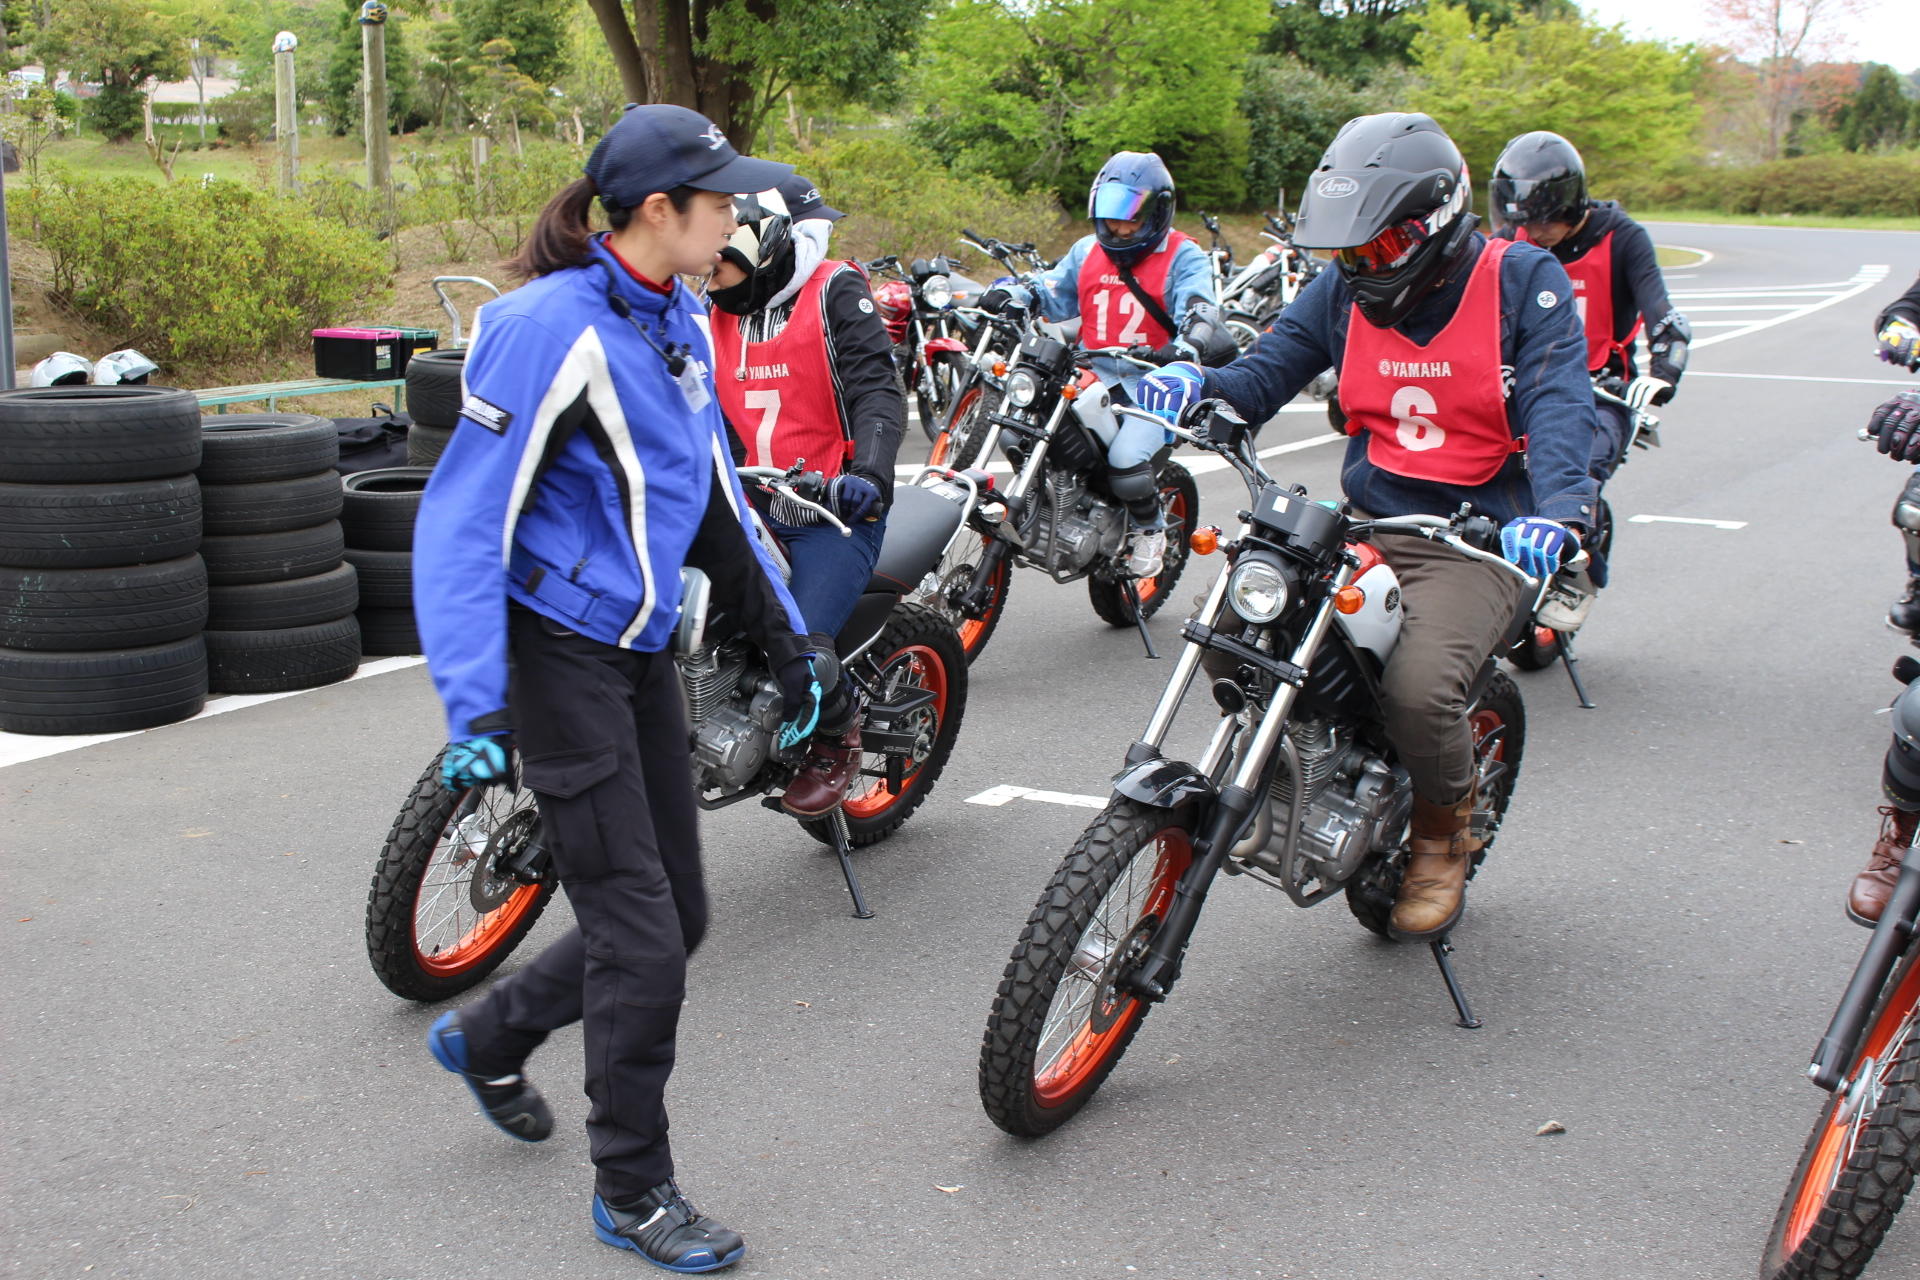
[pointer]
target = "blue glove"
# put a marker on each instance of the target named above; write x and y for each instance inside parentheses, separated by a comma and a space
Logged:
(477, 762)
(1167, 392)
(800, 693)
(1537, 546)
(853, 497)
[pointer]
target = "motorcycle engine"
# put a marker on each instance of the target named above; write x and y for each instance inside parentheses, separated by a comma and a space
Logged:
(1071, 526)
(1352, 803)
(735, 712)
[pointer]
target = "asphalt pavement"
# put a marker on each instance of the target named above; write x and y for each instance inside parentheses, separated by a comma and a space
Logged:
(204, 1079)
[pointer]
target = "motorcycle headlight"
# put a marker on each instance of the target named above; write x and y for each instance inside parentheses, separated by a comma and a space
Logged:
(1022, 389)
(937, 292)
(1257, 591)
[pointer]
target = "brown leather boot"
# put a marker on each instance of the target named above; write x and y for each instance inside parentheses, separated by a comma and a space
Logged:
(1868, 895)
(1433, 891)
(829, 770)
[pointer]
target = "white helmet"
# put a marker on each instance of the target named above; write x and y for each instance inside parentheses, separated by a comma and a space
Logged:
(61, 369)
(117, 367)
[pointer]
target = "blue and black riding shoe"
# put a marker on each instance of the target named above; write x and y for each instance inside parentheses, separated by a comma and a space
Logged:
(510, 1101)
(666, 1230)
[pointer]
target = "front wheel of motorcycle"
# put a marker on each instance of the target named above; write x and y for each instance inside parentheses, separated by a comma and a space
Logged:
(1498, 720)
(953, 577)
(1537, 649)
(1860, 1161)
(918, 651)
(1180, 501)
(1059, 1022)
(962, 442)
(440, 914)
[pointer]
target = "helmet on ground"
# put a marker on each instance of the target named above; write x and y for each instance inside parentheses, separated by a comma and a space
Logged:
(117, 368)
(1391, 198)
(61, 369)
(1539, 178)
(1132, 186)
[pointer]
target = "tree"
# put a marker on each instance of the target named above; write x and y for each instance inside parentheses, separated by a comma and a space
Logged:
(731, 60)
(1040, 93)
(591, 88)
(1875, 118)
(1292, 113)
(502, 94)
(210, 29)
(1783, 37)
(1346, 39)
(118, 44)
(1626, 104)
(537, 33)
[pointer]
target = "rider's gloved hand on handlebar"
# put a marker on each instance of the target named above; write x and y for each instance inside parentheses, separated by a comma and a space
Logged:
(1537, 546)
(800, 694)
(477, 761)
(853, 497)
(1895, 427)
(1167, 392)
(1900, 343)
(1643, 391)
(1006, 290)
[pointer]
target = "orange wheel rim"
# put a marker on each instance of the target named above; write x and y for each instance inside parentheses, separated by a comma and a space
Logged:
(1485, 722)
(1074, 1064)
(973, 631)
(941, 444)
(871, 796)
(1836, 1142)
(1147, 588)
(450, 934)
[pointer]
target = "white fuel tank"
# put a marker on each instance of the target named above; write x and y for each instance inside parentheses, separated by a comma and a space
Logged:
(1375, 626)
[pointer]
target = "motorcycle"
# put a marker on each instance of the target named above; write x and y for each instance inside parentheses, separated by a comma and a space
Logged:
(1058, 514)
(1253, 297)
(963, 436)
(929, 337)
(1542, 644)
(464, 874)
(1297, 787)
(1860, 1161)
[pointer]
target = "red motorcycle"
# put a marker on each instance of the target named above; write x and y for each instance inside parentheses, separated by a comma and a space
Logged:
(931, 342)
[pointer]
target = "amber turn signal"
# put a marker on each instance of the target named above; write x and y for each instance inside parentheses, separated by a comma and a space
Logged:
(1205, 540)
(999, 368)
(1349, 599)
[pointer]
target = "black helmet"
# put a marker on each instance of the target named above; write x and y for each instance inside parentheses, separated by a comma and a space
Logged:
(1133, 186)
(1539, 178)
(762, 247)
(1391, 197)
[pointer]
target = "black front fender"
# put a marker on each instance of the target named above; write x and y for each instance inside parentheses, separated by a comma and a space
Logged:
(1163, 784)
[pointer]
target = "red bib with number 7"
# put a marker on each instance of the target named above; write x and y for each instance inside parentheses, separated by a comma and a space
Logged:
(1435, 412)
(779, 394)
(1110, 316)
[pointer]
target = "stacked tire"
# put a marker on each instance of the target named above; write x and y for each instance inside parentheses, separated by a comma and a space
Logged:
(103, 596)
(282, 597)
(433, 401)
(378, 519)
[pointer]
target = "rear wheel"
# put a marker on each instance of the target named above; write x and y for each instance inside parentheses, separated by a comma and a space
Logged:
(442, 912)
(1860, 1161)
(1060, 1021)
(962, 443)
(1537, 649)
(1180, 500)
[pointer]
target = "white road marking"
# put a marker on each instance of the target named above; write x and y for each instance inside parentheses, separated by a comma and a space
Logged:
(1865, 278)
(1706, 255)
(18, 748)
(1006, 794)
(1804, 377)
(1712, 524)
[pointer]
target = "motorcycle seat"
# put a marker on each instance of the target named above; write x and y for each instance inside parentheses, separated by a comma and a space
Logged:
(919, 525)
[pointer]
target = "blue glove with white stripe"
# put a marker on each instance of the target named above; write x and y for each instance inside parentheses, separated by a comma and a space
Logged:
(1167, 392)
(477, 762)
(1537, 546)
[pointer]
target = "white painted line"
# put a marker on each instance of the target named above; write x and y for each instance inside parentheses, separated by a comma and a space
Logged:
(1716, 324)
(1742, 306)
(1867, 277)
(18, 748)
(1004, 794)
(1711, 524)
(1765, 291)
(1805, 377)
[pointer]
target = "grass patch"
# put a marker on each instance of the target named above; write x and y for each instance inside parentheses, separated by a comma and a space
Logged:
(1811, 220)
(1668, 255)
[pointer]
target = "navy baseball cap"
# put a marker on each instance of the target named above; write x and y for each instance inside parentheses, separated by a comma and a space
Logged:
(659, 147)
(804, 200)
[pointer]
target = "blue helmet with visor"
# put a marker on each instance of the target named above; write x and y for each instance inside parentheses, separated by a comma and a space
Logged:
(1132, 186)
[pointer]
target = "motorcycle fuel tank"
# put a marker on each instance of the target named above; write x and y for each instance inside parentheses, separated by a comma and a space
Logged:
(1375, 626)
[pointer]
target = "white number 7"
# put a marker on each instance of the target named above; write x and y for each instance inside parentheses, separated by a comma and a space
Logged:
(768, 403)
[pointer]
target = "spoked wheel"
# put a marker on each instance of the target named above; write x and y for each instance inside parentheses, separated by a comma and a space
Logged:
(1860, 1161)
(1499, 723)
(1180, 500)
(1244, 334)
(962, 442)
(953, 577)
(1060, 1020)
(1537, 649)
(918, 650)
(444, 911)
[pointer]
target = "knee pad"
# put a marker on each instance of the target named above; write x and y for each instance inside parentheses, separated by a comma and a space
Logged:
(1138, 489)
(1906, 508)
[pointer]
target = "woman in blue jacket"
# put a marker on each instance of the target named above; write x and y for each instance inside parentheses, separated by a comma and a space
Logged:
(590, 464)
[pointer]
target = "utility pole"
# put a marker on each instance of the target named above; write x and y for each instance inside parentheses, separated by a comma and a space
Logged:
(373, 66)
(286, 110)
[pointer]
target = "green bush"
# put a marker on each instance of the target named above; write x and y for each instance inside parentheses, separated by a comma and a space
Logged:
(1293, 111)
(244, 116)
(1840, 185)
(191, 273)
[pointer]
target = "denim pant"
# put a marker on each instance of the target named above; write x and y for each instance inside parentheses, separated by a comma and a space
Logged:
(829, 571)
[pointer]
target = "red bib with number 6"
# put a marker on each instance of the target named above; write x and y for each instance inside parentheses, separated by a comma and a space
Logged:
(1110, 316)
(779, 396)
(1435, 412)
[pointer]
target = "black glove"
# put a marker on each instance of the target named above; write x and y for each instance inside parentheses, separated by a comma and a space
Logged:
(854, 497)
(1159, 355)
(995, 300)
(1895, 427)
(1668, 343)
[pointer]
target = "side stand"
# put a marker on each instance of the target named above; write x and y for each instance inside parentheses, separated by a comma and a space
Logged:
(843, 847)
(1129, 588)
(1573, 668)
(1443, 947)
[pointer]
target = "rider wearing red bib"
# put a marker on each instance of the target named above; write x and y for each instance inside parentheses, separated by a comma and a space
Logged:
(803, 369)
(1463, 373)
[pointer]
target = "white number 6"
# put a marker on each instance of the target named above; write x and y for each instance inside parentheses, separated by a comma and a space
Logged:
(1416, 432)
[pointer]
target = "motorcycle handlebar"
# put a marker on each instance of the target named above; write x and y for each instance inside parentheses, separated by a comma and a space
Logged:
(803, 488)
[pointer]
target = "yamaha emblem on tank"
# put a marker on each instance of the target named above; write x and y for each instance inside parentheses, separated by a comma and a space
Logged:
(1336, 186)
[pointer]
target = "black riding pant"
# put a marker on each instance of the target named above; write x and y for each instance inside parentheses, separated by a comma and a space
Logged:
(602, 733)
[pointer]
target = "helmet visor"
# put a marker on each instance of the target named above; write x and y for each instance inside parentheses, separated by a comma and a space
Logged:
(1117, 200)
(1387, 251)
(1517, 201)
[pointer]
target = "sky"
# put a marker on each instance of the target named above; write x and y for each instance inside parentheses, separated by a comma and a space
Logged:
(1887, 31)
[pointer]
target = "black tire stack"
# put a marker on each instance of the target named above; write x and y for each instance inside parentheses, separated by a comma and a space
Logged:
(380, 508)
(433, 401)
(283, 600)
(102, 595)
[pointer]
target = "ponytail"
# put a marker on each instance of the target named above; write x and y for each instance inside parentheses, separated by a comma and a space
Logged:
(562, 234)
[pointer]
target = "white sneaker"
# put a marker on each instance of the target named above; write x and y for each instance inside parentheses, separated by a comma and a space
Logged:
(1148, 553)
(1565, 608)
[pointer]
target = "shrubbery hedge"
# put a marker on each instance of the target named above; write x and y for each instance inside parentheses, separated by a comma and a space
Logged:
(1833, 185)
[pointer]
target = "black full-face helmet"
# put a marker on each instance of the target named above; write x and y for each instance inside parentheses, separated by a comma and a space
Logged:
(1392, 201)
(1539, 178)
(1132, 186)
